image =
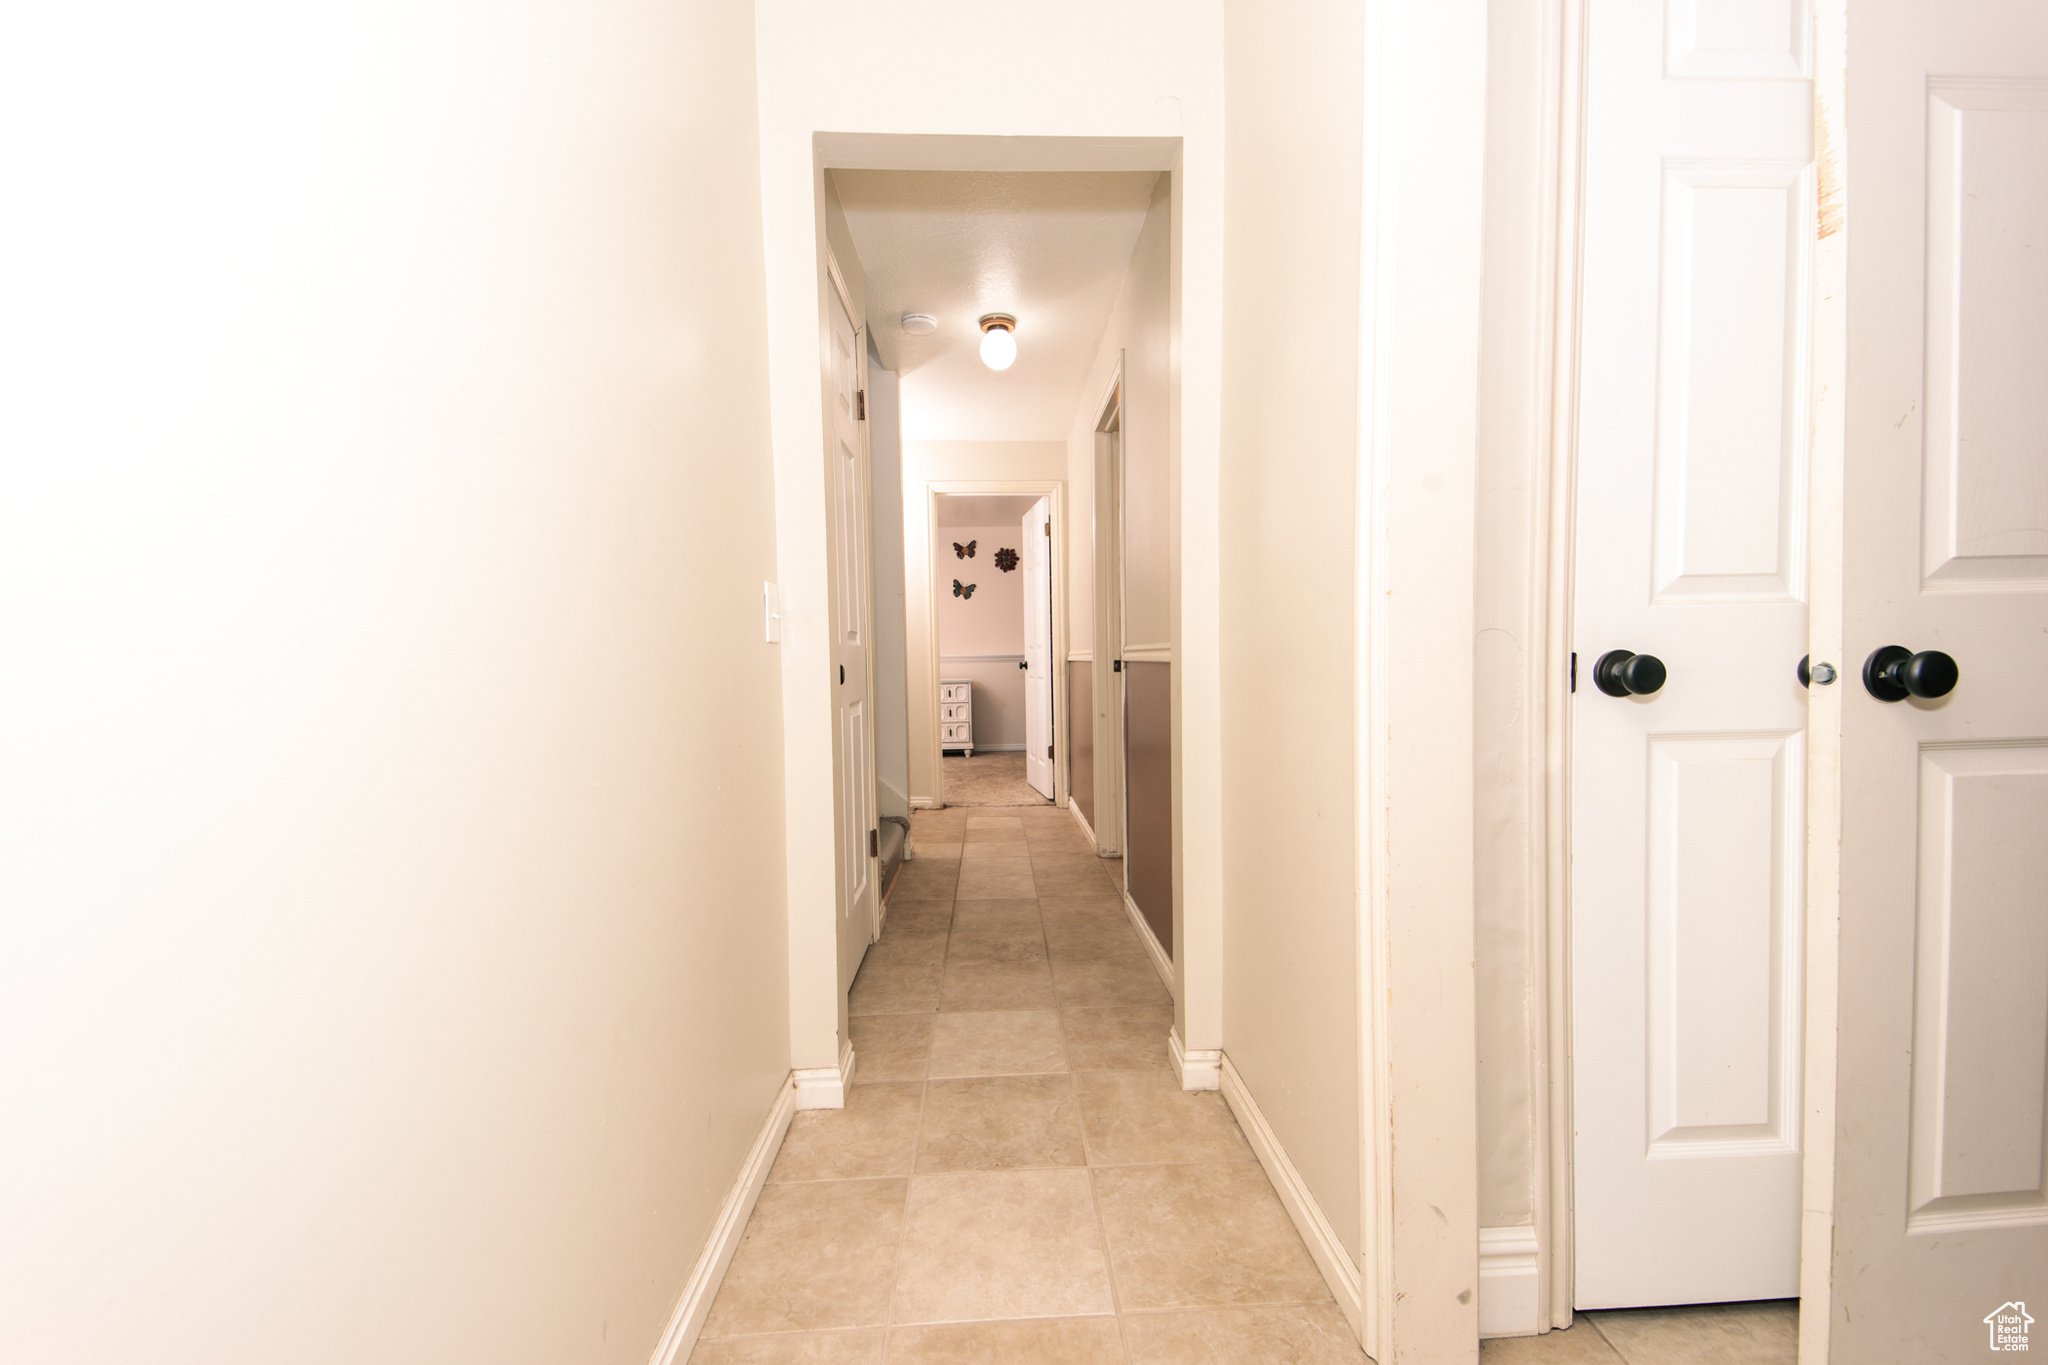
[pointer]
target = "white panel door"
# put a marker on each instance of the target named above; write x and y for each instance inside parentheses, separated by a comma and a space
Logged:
(853, 743)
(1941, 1209)
(1038, 662)
(1687, 798)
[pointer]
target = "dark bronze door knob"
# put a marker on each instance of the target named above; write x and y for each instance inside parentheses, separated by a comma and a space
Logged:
(1895, 673)
(1622, 674)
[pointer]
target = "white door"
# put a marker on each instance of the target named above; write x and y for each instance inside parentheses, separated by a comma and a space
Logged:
(1038, 662)
(853, 746)
(1688, 799)
(1941, 1211)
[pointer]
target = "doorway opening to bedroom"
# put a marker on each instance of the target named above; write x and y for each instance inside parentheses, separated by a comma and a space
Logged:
(993, 613)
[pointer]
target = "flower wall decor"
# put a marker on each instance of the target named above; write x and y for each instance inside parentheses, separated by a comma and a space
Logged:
(1006, 560)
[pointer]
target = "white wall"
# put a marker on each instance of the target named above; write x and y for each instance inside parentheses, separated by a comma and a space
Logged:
(892, 687)
(1513, 491)
(926, 463)
(1290, 453)
(1142, 335)
(1354, 152)
(1140, 329)
(391, 960)
(991, 622)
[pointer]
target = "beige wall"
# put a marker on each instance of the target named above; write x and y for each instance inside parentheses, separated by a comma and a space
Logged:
(839, 238)
(926, 463)
(391, 965)
(1140, 335)
(1512, 492)
(1140, 330)
(989, 622)
(992, 620)
(885, 481)
(1290, 447)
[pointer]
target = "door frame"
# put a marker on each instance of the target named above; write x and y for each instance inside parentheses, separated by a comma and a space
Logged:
(1825, 527)
(1529, 407)
(1055, 491)
(1107, 590)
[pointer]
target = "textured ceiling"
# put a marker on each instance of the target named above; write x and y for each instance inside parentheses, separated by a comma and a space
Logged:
(1050, 247)
(962, 509)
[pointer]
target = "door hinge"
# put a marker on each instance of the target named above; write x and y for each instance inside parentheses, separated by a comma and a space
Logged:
(874, 843)
(1116, 666)
(842, 675)
(1048, 751)
(1048, 529)
(1575, 670)
(860, 405)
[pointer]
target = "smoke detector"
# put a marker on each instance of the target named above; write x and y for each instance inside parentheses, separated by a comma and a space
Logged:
(920, 324)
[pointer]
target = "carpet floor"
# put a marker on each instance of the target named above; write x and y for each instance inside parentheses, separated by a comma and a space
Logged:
(989, 779)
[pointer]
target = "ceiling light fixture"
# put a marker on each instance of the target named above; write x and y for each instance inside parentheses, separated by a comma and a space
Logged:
(998, 346)
(920, 324)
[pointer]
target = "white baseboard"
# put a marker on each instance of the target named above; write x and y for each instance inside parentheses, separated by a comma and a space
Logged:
(824, 1087)
(926, 803)
(1087, 830)
(887, 794)
(981, 748)
(1508, 1304)
(1198, 1068)
(1161, 963)
(709, 1272)
(1339, 1270)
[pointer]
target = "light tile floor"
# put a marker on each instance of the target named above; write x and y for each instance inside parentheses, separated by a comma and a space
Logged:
(990, 778)
(1703, 1334)
(1017, 1177)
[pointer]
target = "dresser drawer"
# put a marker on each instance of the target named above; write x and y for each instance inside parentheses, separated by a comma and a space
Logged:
(956, 712)
(956, 734)
(960, 692)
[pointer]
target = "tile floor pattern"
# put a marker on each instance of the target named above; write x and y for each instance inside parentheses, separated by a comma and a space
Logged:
(993, 777)
(1704, 1334)
(1017, 1176)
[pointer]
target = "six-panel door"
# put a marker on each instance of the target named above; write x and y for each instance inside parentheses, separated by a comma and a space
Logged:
(1941, 1108)
(1687, 813)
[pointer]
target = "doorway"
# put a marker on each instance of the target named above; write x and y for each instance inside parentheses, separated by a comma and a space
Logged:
(1129, 682)
(1096, 682)
(998, 618)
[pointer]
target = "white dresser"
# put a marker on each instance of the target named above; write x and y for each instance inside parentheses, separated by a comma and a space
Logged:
(956, 715)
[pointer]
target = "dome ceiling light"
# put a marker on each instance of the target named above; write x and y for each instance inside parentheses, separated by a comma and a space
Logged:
(998, 345)
(920, 324)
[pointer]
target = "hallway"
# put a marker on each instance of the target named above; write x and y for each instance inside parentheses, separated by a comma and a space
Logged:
(990, 778)
(1017, 1175)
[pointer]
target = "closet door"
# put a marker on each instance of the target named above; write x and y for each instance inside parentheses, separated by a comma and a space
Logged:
(1940, 1238)
(1688, 762)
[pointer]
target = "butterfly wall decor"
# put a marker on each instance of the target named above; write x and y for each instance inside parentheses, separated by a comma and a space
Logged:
(1006, 560)
(967, 591)
(964, 551)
